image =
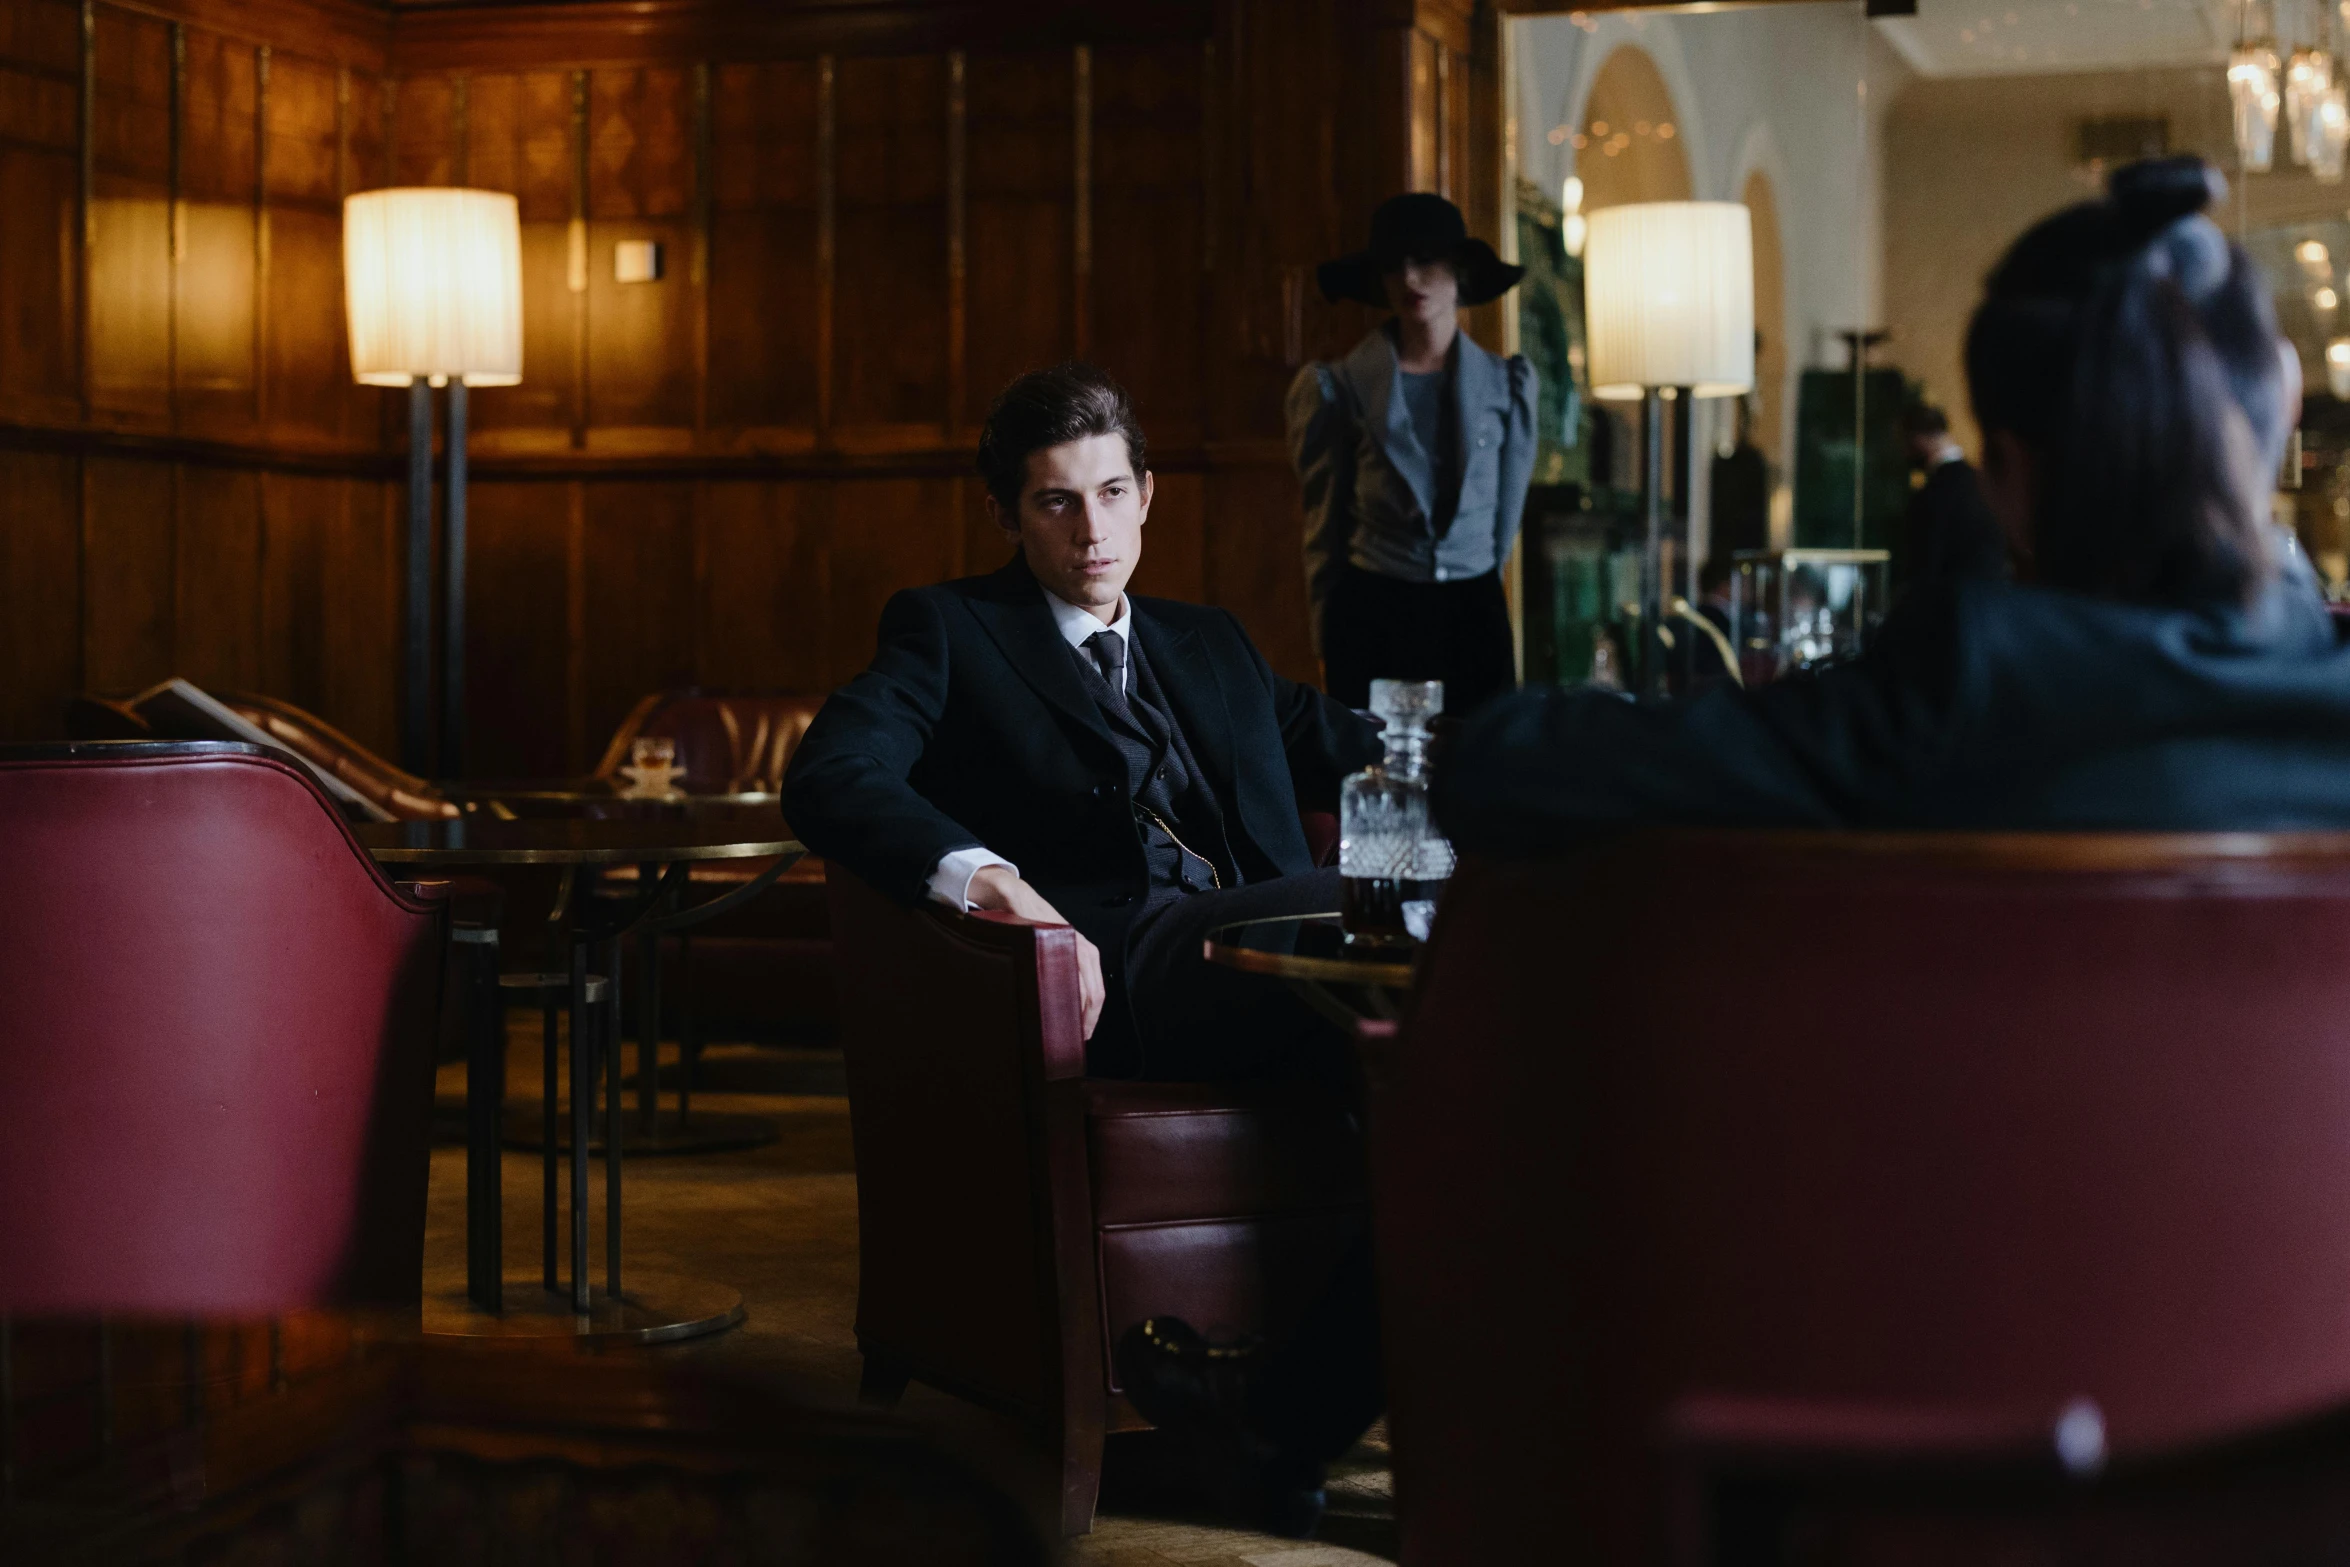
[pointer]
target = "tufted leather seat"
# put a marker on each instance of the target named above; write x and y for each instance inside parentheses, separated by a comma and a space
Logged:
(1845, 1187)
(1015, 1217)
(400, 795)
(764, 969)
(728, 742)
(217, 1039)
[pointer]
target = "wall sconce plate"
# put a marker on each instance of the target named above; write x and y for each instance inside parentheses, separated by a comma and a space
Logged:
(636, 261)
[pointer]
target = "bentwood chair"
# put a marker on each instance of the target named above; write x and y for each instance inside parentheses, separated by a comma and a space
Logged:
(1015, 1217)
(216, 1042)
(1858, 1199)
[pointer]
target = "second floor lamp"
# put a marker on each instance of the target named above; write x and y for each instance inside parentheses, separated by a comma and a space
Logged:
(1669, 304)
(432, 278)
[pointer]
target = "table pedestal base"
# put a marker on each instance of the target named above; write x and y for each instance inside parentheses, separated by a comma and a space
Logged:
(708, 1132)
(654, 1308)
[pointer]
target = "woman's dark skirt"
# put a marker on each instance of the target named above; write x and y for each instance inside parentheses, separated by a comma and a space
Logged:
(1382, 628)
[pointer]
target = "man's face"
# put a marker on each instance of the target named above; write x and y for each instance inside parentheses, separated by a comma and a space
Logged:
(1080, 524)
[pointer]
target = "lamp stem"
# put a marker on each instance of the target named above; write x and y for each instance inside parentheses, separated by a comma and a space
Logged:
(1651, 665)
(453, 583)
(416, 689)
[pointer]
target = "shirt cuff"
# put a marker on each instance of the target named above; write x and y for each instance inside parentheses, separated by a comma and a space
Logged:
(950, 881)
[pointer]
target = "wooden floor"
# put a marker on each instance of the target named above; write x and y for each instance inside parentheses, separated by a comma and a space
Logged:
(780, 1224)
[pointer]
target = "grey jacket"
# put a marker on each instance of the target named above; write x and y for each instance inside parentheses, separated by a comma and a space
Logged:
(1368, 486)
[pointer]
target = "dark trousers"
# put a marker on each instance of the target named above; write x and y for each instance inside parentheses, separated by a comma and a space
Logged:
(1383, 628)
(1200, 1021)
(1322, 1389)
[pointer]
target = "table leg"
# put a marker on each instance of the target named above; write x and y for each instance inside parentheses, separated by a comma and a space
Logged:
(648, 1017)
(689, 1039)
(613, 1137)
(485, 1064)
(550, 1107)
(583, 1099)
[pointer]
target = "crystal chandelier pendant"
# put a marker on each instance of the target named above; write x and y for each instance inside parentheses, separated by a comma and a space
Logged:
(2309, 76)
(2253, 93)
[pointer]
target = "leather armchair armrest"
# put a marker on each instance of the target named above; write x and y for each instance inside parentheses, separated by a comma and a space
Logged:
(1061, 1017)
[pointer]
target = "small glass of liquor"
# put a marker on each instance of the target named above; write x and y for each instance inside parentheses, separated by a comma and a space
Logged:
(1383, 821)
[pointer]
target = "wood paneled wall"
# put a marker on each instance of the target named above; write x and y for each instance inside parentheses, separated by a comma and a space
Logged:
(188, 479)
(872, 216)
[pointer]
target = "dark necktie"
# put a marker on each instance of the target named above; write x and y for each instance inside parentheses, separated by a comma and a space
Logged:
(1109, 656)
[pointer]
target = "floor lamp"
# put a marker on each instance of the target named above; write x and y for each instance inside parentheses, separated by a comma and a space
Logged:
(1668, 302)
(432, 277)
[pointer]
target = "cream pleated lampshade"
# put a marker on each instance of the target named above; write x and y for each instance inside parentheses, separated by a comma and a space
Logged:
(1668, 290)
(432, 277)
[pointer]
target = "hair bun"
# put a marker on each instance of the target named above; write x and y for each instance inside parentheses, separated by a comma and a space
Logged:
(2159, 191)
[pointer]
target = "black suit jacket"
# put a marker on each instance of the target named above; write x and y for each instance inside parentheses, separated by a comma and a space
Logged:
(1949, 530)
(973, 727)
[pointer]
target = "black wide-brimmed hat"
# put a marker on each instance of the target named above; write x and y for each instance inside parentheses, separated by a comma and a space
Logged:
(1418, 227)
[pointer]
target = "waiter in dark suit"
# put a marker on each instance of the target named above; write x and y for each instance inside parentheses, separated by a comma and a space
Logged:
(1039, 741)
(1949, 531)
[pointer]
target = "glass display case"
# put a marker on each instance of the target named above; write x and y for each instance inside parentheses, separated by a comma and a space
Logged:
(1796, 609)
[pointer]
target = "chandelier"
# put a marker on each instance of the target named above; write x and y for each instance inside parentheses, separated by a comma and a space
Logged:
(2304, 88)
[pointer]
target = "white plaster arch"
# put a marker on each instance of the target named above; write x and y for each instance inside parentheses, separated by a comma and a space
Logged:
(1615, 31)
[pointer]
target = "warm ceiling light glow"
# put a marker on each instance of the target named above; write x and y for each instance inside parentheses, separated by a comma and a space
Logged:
(2338, 367)
(1571, 194)
(2312, 253)
(2325, 299)
(1669, 297)
(432, 278)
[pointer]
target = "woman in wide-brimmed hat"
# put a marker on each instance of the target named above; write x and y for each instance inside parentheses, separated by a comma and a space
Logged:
(1414, 451)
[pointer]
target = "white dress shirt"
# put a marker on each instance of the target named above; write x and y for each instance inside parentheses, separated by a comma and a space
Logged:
(950, 879)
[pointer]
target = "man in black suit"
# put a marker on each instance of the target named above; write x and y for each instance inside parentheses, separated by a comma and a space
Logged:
(1949, 530)
(1039, 741)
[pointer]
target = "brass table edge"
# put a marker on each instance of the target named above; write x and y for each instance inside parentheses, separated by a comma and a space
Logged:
(661, 854)
(1291, 965)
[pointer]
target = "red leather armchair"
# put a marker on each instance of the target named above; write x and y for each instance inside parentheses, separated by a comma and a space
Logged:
(1016, 1217)
(216, 1042)
(1713, 1156)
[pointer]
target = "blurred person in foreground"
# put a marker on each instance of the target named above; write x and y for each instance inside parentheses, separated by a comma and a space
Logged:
(2163, 660)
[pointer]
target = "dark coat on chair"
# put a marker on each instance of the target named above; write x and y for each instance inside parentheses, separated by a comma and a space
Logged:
(974, 728)
(1981, 705)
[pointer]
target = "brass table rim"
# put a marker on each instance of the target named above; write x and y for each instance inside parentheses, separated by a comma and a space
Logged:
(559, 854)
(610, 796)
(1290, 965)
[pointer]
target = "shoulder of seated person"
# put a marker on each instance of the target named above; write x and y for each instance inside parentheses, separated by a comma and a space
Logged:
(1177, 612)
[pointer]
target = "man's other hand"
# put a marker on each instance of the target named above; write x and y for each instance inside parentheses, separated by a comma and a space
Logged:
(994, 887)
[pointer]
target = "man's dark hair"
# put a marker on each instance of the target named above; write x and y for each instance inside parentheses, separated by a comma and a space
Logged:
(2132, 349)
(1919, 417)
(1073, 401)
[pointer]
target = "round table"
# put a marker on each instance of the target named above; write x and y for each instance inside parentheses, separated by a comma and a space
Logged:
(657, 1307)
(574, 793)
(1349, 983)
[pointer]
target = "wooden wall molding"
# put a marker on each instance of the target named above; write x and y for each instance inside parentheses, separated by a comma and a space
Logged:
(940, 462)
(341, 32)
(471, 36)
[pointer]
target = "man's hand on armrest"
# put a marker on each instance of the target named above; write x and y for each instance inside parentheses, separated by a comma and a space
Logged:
(999, 887)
